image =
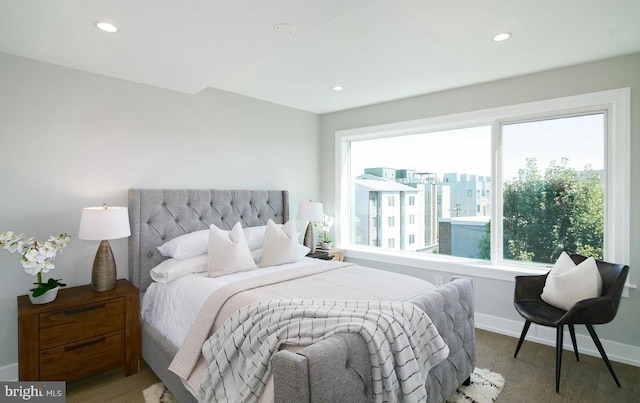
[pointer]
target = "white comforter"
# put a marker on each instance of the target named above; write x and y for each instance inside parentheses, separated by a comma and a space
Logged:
(172, 308)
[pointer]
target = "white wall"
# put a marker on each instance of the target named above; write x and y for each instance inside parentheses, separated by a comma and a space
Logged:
(493, 297)
(70, 139)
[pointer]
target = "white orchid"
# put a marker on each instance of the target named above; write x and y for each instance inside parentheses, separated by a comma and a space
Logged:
(324, 226)
(37, 257)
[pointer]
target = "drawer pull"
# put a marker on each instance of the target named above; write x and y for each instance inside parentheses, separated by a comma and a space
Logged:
(83, 309)
(88, 343)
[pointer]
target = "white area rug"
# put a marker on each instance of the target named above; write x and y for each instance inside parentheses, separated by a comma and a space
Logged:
(158, 393)
(485, 388)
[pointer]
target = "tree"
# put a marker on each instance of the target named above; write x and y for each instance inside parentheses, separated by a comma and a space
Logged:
(544, 215)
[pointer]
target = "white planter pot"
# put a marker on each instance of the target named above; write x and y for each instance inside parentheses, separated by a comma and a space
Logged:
(44, 298)
(325, 245)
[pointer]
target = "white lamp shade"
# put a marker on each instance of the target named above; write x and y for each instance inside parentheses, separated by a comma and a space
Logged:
(100, 223)
(310, 211)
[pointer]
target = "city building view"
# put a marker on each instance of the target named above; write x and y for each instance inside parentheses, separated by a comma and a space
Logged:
(430, 192)
(402, 209)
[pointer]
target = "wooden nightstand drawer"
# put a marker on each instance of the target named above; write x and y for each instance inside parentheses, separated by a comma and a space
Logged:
(80, 322)
(82, 358)
(82, 332)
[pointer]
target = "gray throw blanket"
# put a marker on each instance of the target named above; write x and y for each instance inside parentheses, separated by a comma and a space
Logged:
(402, 341)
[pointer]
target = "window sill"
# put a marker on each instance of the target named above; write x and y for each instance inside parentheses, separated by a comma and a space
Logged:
(463, 267)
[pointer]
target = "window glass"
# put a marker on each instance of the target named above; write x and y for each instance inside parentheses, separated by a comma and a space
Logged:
(435, 179)
(553, 188)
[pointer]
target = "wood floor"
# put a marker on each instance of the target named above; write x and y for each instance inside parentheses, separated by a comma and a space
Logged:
(529, 378)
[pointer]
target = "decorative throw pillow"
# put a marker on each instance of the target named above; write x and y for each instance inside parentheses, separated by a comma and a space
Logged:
(567, 283)
(187, 245)
(281, 245)
(228, 251)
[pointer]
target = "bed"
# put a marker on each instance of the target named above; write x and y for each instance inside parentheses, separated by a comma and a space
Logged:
(337, 368)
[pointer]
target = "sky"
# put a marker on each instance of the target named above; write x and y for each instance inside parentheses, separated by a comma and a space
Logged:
(580, 139)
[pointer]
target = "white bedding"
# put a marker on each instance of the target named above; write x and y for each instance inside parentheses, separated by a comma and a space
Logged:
(172, 308)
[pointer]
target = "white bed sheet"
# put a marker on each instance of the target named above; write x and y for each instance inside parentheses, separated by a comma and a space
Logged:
(172, 308)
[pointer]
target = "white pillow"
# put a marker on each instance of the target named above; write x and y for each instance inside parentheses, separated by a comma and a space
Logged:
(255, 236)
(173, 268)
(187, 245)
(281, 245)
(197, 243)
(257, 254)
(567, 283)
(228, 251)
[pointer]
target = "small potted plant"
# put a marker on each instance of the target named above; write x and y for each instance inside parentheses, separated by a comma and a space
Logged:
(37, 258)
(324, 226)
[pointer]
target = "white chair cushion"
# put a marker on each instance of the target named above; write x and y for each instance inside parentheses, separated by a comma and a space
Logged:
(567, 283)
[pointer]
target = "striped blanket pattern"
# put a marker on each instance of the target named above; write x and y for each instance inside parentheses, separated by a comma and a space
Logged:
(402, 341)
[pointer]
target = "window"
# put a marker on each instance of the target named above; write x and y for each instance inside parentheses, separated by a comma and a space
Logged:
(509, 185)
(553, 187)
(391, 243)
(436, 172)
(412, 200)
(412, 239)
(391, 201)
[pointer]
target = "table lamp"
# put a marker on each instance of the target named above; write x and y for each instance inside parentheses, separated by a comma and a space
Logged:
(310, 211)
(101, 224)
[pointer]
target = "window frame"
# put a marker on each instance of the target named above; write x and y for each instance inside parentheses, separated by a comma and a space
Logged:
(391, 221)
(615, 103)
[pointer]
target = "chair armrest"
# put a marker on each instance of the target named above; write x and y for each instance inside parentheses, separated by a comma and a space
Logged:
(529, 287)
(592, 311)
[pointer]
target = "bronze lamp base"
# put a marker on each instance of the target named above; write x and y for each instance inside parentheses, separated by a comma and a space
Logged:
(103, 275)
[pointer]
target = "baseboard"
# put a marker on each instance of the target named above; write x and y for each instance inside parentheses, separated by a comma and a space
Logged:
(618, 352)
(9, 373)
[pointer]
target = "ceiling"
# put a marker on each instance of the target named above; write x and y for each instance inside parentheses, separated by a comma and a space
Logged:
(378, 50)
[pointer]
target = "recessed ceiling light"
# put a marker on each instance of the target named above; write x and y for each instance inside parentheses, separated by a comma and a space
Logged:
(503, 36)
(106, 27)
(337, 88)
(284, 28)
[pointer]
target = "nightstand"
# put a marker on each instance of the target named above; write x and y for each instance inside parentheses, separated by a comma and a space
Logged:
(338, 254)
(81, 333)
(334, 254)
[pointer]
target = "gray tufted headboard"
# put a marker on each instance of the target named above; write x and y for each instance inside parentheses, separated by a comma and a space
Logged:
(158, 215)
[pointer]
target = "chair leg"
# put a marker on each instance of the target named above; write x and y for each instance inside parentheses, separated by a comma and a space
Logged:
(572, 332)
(559, 334)
(596, 341)
(525, 329)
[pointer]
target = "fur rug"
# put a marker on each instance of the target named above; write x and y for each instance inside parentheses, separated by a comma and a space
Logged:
(158, 393)
(485, 388)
